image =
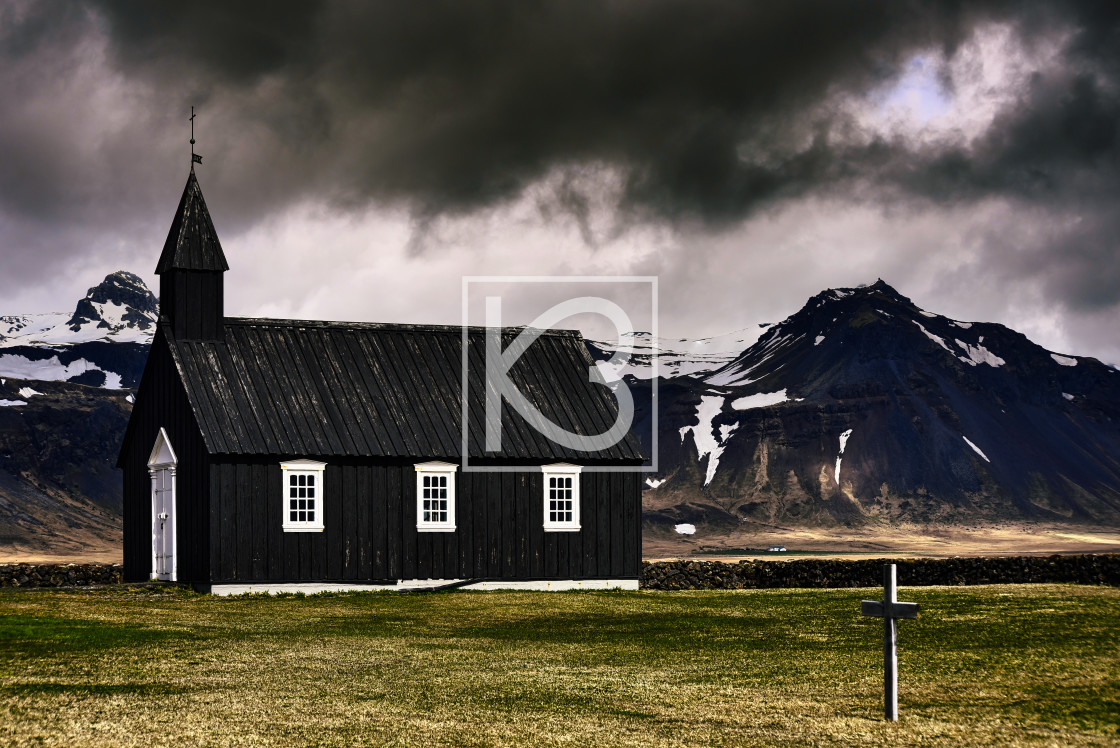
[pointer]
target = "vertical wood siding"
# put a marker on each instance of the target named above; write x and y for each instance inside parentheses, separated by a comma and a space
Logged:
(162, 402)
(370, 528)
(193, 302)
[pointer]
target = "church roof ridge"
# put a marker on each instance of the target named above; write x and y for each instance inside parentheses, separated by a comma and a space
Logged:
(387, 326)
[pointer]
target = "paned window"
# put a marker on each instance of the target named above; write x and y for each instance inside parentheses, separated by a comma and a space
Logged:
(561, 497)
(303, 495)
(560, 503)
(435, 497)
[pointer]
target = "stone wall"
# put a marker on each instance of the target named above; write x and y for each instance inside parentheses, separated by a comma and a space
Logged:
(59, 575)
(748, 574)
(716, 575)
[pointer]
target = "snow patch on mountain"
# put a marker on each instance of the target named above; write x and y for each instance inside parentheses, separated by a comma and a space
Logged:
(978, 355)
(935, 338)
(819, 340)
(761, 400)
(10, 403)
(674, 358)
(781, 341)
(28, 392)
(843, 444)
(734, 377)
(52, 369)
(655, 482)
(1067, 396)
(702, 434)
(55, 328)
(962, 325)
(975, 449)
(685, 529)
(1064, 360)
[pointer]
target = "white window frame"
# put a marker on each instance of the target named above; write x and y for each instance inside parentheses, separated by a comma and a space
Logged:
(561, 470)
(296, 468)
(435, 470)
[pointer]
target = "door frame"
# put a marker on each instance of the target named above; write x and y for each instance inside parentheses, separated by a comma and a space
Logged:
(163, 458)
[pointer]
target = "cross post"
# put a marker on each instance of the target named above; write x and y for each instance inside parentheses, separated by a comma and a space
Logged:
(195, 158)
(890, 610)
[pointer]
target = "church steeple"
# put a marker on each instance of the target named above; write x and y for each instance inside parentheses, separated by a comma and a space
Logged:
(191, 269)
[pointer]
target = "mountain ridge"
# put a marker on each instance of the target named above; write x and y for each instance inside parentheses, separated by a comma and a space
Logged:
(859, 409)
(863, 407)
(103, 342)
(66, 382)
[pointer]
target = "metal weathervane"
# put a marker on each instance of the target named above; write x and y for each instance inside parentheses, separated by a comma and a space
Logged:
(195, 158)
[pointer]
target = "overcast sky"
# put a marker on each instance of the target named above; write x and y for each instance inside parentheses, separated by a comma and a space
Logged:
(360, 158)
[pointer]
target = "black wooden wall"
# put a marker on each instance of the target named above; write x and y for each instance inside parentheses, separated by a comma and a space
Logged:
(230, 514)
(161, 401)
(193, 302)
(370, 528)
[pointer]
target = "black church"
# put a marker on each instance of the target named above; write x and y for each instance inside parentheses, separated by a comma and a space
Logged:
(267, 454)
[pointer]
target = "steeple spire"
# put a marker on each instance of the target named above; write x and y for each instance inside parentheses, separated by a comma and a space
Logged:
(192, 243)
(191, 269)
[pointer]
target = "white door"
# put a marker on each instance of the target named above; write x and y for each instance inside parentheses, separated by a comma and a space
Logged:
(163, 523)
(161, 467)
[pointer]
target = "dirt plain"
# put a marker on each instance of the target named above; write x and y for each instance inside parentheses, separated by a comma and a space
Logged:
(1009, 539)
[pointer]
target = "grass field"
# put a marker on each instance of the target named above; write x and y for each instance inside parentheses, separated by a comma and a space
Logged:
(998, 665)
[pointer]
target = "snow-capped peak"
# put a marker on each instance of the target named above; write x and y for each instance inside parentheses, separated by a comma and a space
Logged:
(879, 288)
(675, 357)
(120, 300)
(119, 309)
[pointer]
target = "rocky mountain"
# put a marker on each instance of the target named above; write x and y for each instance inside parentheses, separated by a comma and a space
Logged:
(861, 407)
(59, 490)
(103, 342)
(65, 398)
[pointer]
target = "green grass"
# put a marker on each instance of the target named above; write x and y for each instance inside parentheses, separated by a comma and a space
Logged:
(997, 665)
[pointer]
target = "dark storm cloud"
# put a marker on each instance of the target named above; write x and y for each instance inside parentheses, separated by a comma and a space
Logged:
(452, 106)
(1061, 140)
(706, 110)
(455, 105)
(1057, 150)
(226, 42)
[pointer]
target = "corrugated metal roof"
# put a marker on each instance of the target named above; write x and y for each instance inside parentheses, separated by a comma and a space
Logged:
(192, 243)
(302, 388)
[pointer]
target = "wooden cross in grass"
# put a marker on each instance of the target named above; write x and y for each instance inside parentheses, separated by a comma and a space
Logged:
(890, 610)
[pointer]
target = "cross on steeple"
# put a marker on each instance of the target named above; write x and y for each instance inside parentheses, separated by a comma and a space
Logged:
(195, 158)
